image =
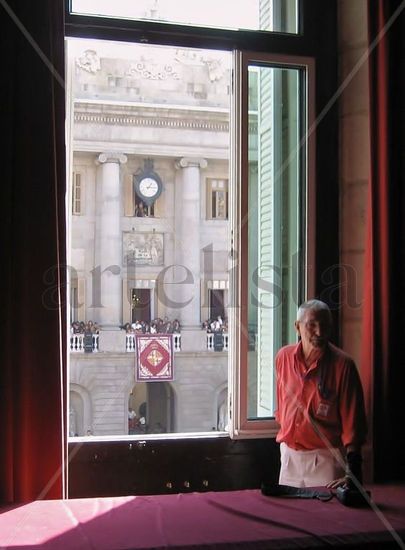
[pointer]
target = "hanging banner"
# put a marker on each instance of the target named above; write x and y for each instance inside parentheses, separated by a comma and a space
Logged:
(154, 357)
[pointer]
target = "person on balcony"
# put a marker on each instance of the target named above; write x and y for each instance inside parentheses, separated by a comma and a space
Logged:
(140, 210)
(216, 325)
(128, 329)
(132, 420)
(91, 328)
(75, 327)
(137, 326)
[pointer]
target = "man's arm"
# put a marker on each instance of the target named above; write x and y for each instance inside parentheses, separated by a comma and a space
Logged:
(352, 409)
(354, 426)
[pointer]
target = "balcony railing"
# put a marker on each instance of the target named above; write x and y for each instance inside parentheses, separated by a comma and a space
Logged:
(211, 345)
(78, 343)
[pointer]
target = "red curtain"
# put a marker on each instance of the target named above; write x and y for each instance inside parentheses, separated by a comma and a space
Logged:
(383, 358)
(33, 234)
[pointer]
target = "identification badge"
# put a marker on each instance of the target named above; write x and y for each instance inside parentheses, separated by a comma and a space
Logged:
(323, 409)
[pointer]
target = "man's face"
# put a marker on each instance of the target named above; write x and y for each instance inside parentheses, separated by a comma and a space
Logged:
(314, 329)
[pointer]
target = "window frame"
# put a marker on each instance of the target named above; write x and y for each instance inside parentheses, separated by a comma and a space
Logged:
(168, 33)
(277, 5)
(241, 426)
(304, 44)
(77, 186)
(210, 188)
(116, 462)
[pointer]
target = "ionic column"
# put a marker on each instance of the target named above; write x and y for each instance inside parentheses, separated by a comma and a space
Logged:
(188, 205)
(108, 245)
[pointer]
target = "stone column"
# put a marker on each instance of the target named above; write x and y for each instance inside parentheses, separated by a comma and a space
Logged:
(188, 214)
(108, 241)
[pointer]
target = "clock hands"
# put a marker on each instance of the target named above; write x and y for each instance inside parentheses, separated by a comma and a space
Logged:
(148, 187)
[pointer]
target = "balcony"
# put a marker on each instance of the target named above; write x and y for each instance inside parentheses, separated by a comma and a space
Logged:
(78, 342)
(211, 343)
(121, 342)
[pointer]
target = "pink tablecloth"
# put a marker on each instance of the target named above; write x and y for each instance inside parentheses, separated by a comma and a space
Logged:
(238, 519)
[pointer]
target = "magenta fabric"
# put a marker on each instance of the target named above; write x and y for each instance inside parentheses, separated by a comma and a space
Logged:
(239, 519)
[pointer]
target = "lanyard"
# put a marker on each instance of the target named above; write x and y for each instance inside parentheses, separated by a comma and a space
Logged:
(324, 391)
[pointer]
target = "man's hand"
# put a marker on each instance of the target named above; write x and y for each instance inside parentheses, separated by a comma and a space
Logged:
(353, 470)
(341, 482)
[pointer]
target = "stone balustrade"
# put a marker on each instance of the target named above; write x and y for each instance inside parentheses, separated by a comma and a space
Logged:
(77, 343)
(211, 340)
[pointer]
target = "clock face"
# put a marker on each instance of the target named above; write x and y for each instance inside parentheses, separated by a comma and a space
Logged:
(148, 187)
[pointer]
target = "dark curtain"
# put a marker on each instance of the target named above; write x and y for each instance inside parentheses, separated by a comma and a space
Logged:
(384, 307)
(32, 222)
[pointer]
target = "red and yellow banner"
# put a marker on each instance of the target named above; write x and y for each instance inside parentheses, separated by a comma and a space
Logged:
(154, 357)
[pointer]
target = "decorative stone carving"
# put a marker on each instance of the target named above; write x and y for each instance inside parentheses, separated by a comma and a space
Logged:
(215, 68)
(186, 162)
(153, 71)
(196, 57)
(89, 61)
(117, 158)
(143, 248)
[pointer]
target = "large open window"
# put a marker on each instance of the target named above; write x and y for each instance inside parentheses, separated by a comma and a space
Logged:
(195, 149)
(150, 138)
(162, 115)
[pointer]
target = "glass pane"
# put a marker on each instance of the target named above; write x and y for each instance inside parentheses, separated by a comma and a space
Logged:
(149, 132)
(273, 224)
(266, 15)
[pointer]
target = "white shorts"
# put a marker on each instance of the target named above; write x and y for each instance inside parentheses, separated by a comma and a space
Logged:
(309, 468)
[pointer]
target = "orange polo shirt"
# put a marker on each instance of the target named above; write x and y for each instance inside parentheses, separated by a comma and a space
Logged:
(310, 418)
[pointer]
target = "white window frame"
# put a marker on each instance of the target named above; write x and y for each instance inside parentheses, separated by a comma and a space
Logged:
(241, 427)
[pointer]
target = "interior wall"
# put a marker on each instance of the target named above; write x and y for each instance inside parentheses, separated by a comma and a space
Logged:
(354, 165)
(354, 171)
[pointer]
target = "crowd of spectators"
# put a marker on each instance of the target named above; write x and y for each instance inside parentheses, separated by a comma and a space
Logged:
(155, 326)
(215, 325)
(80, 327)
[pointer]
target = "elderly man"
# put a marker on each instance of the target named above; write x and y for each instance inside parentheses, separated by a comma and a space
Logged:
(320, 405)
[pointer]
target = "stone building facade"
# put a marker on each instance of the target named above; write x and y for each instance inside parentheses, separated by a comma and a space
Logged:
(163, 114)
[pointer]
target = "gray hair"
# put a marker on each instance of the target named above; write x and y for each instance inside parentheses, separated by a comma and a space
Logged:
(315, 305)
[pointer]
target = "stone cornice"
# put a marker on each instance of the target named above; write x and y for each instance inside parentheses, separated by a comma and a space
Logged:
(200, 124)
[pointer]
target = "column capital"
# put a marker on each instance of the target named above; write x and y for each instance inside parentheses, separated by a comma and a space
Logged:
(116, 158)
(187, 162)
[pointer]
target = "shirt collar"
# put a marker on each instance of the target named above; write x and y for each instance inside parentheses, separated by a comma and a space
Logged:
(299, 355)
